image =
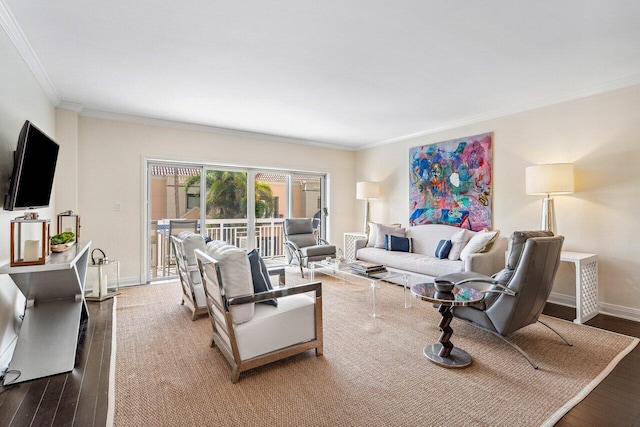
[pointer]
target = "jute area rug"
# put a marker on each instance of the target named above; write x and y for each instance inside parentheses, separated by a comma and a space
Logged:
(372, 372)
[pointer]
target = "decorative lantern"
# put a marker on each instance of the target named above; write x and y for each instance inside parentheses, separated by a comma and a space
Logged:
(99, 275)
(30, 243)
(69, 221)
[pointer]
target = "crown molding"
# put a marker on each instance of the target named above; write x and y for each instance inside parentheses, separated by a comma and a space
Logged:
(10, 25)
(621, 83)
(73, 106)
(107, 115)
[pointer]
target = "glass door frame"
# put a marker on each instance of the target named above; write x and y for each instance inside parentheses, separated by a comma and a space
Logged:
(204, 167)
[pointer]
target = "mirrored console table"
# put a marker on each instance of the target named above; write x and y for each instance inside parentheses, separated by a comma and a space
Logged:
(55, 308)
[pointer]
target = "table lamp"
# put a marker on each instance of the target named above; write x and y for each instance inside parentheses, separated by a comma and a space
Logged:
(550, 179)
(366, 191)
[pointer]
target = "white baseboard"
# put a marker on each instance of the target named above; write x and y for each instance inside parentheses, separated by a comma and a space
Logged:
(620, 311)
(604, 308)
(562, 299)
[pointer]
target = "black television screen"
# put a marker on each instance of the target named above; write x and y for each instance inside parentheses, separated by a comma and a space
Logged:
(34, 166)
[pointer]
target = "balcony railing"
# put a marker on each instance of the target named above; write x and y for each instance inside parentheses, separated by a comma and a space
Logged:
(269, 236)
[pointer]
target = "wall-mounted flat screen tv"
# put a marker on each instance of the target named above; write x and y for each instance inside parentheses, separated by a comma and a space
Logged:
(34, 167)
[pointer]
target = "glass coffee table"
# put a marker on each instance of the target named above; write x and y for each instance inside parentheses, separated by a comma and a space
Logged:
(444, 353)
(342, 270)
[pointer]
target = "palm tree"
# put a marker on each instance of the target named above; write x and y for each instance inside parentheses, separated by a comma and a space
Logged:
(227, 195)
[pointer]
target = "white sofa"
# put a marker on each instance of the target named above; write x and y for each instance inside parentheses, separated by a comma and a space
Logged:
(422, 261)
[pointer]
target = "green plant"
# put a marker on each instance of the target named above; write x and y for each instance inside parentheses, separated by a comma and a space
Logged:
(62, 238)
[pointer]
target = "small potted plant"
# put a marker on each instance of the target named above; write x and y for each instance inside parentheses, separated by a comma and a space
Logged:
(63, 241)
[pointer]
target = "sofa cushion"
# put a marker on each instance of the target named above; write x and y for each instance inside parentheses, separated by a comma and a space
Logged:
(458, 242)
(397, 243)
(383, 230)
(480, 242)
(442, 251)
(372, 232)
(260, 276)
(236, 276)
(417, 263)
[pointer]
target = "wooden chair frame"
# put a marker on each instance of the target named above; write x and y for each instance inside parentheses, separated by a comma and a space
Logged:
(210, 272)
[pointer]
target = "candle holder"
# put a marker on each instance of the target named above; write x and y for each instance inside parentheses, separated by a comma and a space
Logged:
(30, 243)
(69, 221)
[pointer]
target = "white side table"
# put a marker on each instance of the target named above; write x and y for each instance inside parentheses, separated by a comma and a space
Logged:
(350, 244)
(586, 266)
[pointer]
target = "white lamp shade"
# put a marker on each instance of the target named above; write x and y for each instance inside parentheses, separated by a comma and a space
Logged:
(556, 178)
(367, 190)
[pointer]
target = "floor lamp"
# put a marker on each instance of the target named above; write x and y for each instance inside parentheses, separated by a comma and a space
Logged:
(555, 178)
(366, 191)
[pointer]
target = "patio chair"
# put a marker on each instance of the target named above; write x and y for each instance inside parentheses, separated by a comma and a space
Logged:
(301, 244)
(247, 332)
(177, 226)
(519, 301)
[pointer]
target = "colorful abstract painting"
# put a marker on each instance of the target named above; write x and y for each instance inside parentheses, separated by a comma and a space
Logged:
(451, 183)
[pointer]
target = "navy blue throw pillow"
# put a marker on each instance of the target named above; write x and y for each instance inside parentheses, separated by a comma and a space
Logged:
(443, 248)
(397, 243)
(260, 276)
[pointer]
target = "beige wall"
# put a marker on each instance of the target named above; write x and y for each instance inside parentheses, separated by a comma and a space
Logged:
(21, 98)
(600, 135)
(110, 170)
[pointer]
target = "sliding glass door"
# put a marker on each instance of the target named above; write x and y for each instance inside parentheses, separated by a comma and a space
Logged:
(242, 206)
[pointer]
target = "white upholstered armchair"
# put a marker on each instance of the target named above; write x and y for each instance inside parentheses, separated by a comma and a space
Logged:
(248, 332)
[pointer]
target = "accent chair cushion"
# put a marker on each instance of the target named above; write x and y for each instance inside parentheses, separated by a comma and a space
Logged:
(260, 275)
(235, 272)
(294, 314)
(397, 243)
(516, 244)
(480, 242)
(318, 251)
(443, 249)
(514, 251)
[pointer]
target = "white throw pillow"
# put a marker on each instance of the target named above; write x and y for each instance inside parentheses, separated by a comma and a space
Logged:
(372, 232)
(383, 230)
(479, 243)
(458, 242)
(235, 272)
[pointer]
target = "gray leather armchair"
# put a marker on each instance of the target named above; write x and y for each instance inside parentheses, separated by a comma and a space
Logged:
(519, 300)
(301, 244)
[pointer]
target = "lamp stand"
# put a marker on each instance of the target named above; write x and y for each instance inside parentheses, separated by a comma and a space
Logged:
(548, 220)
(366, 215)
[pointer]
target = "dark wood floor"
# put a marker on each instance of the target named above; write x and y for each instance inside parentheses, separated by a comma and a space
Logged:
(616, 400)
(80, 398)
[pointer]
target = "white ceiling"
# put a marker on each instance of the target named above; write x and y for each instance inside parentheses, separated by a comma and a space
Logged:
(353, 73)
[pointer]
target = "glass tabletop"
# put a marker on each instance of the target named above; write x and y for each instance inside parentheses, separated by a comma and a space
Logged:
(459, 295)
(345, 267)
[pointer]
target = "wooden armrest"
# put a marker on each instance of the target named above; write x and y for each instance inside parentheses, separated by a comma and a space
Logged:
(276, 293)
